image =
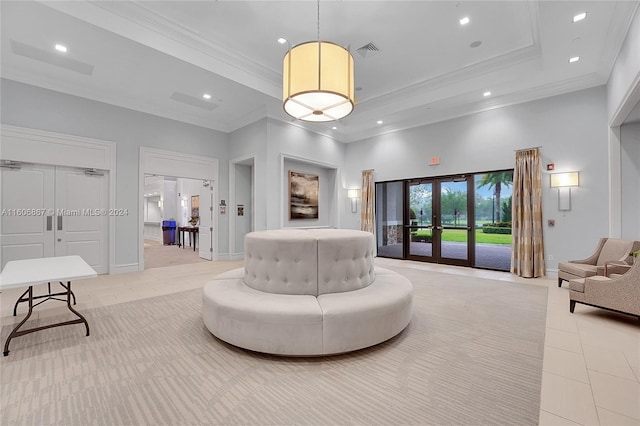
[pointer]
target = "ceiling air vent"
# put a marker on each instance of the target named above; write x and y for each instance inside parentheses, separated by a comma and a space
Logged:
(50, 58)
(193, 101)
(367, 49)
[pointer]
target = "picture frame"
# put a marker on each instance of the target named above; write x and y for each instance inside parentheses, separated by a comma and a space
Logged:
(304, 189)
(195, 206)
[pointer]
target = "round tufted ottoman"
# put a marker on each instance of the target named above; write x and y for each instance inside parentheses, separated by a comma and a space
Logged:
(307, 292)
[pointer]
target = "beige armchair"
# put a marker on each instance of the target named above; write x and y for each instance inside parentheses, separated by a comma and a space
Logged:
(620, 293)
(608, 250)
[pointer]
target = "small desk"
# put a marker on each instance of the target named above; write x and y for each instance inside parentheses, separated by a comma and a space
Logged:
(191, 230)
(29, 272)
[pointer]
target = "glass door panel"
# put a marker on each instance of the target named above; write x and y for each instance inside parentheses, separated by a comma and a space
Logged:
(420, 228)
(390, 219)
(454, 227)
(462, 220)
(493, 220)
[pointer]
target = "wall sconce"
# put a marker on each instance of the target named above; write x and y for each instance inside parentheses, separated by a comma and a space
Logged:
(183, 202)
(160, 203)
(353, 195)
(564, 182)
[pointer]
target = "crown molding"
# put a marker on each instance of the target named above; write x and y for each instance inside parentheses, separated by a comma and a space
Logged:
(102, 96)
(625, 11)
(531, 52)
(137, 22)
(425, 115)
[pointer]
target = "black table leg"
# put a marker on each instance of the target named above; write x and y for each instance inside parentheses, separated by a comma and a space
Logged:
(16, 332)
(82, 319)
(48, 296)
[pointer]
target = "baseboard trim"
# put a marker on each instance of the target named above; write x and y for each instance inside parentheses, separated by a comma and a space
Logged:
(124, 269)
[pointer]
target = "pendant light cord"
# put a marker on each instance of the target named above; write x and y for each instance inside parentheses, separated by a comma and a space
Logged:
(318, 20)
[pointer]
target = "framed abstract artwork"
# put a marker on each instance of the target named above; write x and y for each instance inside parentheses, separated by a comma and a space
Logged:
(303, 195)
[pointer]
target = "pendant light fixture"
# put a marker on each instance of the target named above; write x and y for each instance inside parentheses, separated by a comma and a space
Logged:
(318, 81)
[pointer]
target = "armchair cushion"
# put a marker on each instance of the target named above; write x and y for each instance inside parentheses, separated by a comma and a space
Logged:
(577, 285)
(578, 269)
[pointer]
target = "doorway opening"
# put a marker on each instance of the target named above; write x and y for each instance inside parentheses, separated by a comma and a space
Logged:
(462, 220)
(172, 220)
(242, 217)
(186, 166)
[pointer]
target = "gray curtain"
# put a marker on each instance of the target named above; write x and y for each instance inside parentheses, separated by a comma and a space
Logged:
(527, 254)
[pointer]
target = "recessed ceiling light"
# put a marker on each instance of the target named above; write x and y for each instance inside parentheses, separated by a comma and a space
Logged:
(579, 17)
(61, 48)
(464, 21)
(379, 121)
(282, 40)
(334, 128)
(487, 93)
(574, 59)
(206, 96)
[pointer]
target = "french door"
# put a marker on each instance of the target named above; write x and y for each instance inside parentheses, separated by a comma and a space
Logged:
(54, 211)
(438, 220)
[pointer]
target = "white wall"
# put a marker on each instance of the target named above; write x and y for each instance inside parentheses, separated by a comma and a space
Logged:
(268, 141)
(243, 194)
(326, 195)
(186, 188)
(251, 141)
(625, 74)
(169, 195)
(293, 141)
(571, 128)
(32, 107)
(630, 182)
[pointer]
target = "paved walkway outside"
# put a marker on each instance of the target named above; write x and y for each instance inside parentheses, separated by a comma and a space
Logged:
(491, 256)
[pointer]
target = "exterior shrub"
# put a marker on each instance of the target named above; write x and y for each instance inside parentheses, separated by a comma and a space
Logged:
(496, 230)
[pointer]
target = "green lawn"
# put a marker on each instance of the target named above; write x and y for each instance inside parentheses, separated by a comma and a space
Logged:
(460, 235)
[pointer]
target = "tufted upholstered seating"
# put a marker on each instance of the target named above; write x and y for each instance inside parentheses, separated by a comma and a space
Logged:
(307, 292)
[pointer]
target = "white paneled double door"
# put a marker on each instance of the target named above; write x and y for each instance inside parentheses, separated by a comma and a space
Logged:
(54, 211)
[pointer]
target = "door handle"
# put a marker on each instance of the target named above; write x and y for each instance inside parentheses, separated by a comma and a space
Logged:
(59, 223)
(438, 228)
(49, 223)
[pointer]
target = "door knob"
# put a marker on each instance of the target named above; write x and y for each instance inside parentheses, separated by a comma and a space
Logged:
(59, 239)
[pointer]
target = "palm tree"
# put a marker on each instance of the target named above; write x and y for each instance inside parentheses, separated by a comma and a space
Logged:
(496, 180)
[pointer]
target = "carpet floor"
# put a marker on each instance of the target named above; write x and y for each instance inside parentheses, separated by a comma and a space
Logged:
(159, 256)
(471, 355)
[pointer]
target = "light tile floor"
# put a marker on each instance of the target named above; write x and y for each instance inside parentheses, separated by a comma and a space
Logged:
(591, 368)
